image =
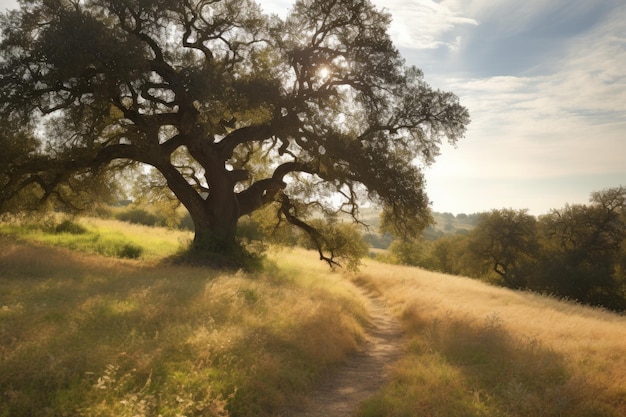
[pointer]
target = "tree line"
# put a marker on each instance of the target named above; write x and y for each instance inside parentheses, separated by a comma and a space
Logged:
(577, 252)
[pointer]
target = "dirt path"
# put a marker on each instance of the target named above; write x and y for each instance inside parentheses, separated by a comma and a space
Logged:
(362, 374)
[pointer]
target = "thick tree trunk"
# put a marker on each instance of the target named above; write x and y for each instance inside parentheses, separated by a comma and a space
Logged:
(215, 218)
(215, 241)
(216, 226)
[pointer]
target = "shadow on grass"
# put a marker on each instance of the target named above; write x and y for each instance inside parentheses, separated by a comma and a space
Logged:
(460, 366)
(64, 317)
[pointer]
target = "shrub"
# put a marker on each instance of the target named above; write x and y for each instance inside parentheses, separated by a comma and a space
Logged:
(68, 226)
(130, 251)
(186, 223)
(140, 216)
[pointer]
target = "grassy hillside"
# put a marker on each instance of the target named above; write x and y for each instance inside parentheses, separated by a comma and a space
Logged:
(86, 335)
(477, 350)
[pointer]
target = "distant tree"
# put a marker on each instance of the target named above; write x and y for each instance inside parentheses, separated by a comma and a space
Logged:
(379, 241)
(412, 252)
(448, 254)
(432, 233)
(235, 110)
(448, 216)
(583, 249)
(505, 241)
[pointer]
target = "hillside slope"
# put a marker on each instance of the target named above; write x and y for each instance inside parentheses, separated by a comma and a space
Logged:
(478, 350)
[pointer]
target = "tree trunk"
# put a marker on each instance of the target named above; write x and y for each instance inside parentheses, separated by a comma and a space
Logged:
(216, 226)
(215, 218)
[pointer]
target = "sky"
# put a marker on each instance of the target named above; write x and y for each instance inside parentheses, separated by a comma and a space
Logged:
(545, 85)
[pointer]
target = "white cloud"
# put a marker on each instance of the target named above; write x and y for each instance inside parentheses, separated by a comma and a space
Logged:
(425, 24)
(566, 122)
(279, 7)
(551, 127)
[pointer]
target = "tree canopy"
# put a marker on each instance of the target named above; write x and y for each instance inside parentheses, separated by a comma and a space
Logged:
(235, 109)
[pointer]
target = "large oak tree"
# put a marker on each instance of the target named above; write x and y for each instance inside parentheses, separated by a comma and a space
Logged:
(235, 109)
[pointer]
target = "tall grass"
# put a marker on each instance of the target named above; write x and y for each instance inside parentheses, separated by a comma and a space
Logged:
(477, 350)
(86, 335)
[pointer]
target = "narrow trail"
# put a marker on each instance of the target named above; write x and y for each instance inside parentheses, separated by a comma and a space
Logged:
(340, 393)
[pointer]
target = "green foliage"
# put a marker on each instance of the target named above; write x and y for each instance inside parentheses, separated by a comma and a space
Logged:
(410, 252)
(583, 249)
(449, 254)
(377, 240)
(343, 241)
(505, 242)
(69, 226)
(130, 251)
(140, 216)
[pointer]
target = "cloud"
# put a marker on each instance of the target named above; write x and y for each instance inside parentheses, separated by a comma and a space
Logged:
(279, 7)
(543, 137)
(580, 102)
(537, 17)
(426, 24)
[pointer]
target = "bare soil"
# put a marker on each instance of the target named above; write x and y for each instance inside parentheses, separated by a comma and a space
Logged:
(363, 373)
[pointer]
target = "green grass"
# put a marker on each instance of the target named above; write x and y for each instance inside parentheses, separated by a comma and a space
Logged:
(104, 237)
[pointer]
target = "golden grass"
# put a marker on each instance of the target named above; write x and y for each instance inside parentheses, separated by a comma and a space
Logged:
(479, 350)
(82, 334)
(87, 335)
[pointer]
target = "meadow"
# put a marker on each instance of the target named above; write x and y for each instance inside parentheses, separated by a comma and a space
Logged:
(87, 333)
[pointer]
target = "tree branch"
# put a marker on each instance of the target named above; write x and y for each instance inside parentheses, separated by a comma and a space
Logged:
(228, 144)
(264, 191)
(315, 235)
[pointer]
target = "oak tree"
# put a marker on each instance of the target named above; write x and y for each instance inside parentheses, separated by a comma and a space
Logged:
(234, 109)
(505, 241)
(582, 249)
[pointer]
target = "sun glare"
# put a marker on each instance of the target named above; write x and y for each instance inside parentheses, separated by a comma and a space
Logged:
(323, 73)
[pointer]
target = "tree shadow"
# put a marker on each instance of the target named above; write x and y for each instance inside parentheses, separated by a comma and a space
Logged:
(65, 317)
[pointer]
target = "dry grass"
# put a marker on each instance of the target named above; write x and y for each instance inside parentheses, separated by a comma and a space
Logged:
(477, 350)
(85, 335)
